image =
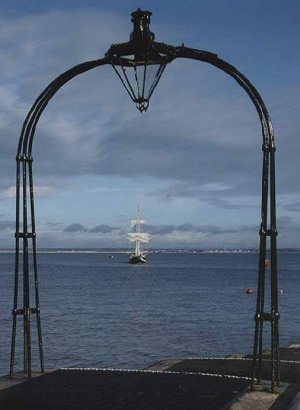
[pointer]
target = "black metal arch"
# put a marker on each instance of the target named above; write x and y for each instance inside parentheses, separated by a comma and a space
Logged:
(25, 232)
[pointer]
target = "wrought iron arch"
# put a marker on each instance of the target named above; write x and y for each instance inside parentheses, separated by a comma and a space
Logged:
(25, 201)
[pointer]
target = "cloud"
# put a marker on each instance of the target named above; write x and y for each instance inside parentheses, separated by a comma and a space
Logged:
(162, 236)
(285, 221)
(32, 55)
(218, 194)
(159, 230)
(159, 152)
(103, 229)
(162, 230)
(184, 228)
(293, 207)
(75, 228)
(54, 224)
(39, 191)
(200, 140)
(180, 138)
(7, 225)
(104, 134)
(205, 236)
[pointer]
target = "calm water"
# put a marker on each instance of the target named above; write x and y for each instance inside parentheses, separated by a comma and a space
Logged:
(103, 312)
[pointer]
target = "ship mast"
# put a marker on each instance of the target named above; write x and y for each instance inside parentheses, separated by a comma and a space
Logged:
(138, 223)
(137, 236)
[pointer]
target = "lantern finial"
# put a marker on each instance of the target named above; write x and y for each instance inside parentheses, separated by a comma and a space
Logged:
(141, 33)
(140, 63)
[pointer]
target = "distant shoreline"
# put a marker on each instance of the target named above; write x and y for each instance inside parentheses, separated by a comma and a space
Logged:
(158, 251)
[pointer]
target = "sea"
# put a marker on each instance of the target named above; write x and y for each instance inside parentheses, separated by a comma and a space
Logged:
(99, 311)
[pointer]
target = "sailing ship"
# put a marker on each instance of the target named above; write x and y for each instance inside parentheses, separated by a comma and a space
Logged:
(139, 238)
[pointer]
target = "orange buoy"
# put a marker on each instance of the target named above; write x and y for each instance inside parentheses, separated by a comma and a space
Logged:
(249, 291)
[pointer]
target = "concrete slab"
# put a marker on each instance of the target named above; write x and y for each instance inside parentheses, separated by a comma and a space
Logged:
(189, 384)
(295, 405)
(19, 377)
(259, 399)
(119, 390)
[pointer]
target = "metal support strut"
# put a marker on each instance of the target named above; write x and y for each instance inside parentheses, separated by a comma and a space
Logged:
(24, 165)
(25, 226)
(268, 189)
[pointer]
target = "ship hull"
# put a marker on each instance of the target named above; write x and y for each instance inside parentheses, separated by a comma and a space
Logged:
(135, 259)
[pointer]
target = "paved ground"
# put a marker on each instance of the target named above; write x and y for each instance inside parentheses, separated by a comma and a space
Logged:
(167, 385)
(116, 390)
(289, 371)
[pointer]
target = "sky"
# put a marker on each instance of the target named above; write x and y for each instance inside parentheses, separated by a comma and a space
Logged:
(192, 162)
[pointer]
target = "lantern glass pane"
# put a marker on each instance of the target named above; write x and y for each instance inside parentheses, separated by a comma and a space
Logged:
(123, 73)
(151, 71)
(140, 81)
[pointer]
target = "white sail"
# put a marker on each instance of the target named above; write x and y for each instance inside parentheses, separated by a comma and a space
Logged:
(138, 238)
(142, 237)
(137, 222)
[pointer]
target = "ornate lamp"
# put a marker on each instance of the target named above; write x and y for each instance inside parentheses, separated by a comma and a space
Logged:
(140, 63)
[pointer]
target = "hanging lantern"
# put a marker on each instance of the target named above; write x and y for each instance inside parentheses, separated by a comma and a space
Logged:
(140, 80)
(140, 63)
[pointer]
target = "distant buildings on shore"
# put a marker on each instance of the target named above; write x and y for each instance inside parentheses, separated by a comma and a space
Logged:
(160, 250)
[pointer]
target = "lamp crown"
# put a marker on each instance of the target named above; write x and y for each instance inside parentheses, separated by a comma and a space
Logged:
(141, 33)
(140, 62)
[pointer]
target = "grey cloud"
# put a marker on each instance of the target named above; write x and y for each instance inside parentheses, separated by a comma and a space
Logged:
(182, 235)
(164, 143)
(186, 228)
(73, 228)
(178, 190)
(7, 225)
(186, 135)
(27, 38)
(163, 155)
(218, 200)
(210, 229)
(293, 207)
(284, 221)
(77, 227)
(103, 229)
(193, 134)
(205, 229)
(54, 223)
(227, 198)
(248, 228)
(214, 230)
(159, 229)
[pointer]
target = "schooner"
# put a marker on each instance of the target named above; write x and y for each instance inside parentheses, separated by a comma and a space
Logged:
(138, 237)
